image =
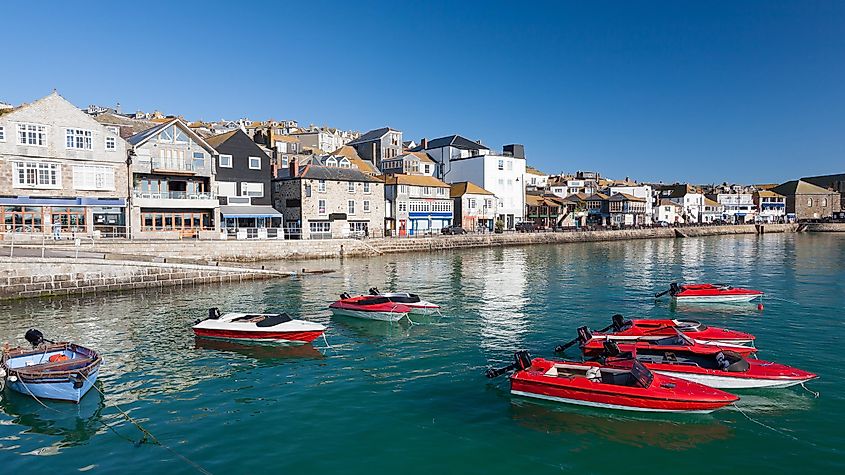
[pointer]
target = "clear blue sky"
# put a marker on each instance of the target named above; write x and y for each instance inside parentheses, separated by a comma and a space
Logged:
(701, 91)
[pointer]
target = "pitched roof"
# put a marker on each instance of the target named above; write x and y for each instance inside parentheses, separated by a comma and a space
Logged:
(576, 197)
(285, 138)
(422, 156)
(799, 187)
(826, 181)
(466, 187)
(534, 171)
(768, 194)
(668, 202)
(597, 197)
(371, 135)
(415, 180)
(317, 172)
(142, 137)
(710, 202)
(455, 141)
(626, 197)
(355, 159)
(538, 200)
(216, 140)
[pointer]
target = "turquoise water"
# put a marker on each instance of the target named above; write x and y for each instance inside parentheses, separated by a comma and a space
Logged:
(413, 399)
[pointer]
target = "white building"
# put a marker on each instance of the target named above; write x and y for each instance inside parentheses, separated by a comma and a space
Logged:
(639, 191)
(771, 207)
(669, 212)
(689, 197)
(535, 178)
(739, 207)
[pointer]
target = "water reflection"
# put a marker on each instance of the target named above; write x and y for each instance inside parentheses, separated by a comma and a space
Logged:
(678, 432)
(72, 424)
(268, 354)
(503, 297)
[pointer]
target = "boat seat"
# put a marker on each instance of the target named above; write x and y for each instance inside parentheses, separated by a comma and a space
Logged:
(67, 365)
(619, 379)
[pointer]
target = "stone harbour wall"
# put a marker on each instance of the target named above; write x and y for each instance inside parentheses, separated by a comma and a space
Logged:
(25, 277)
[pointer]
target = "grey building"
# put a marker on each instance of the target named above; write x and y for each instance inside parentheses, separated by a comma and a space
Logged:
(378, 145)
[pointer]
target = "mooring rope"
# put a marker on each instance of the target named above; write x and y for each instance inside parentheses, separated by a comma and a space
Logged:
(326, 341)
(814, 393)
(147, 433)
(785, 434)
(783, 300)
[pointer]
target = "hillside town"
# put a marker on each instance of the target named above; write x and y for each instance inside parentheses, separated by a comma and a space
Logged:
(66, 171)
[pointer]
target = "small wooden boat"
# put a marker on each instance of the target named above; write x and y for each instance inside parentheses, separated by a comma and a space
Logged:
(61, 371)
(593, 345)
(655, 329)
(632, 388)
(257, 328)
(722, 370)
(704, 293)
(413, 301)
(370, 307)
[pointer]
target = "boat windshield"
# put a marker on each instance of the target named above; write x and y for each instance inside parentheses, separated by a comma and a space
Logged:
(371, 301)
(403, 298)
(643, 376)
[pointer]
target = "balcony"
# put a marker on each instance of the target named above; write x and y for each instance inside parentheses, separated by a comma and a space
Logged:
(181, 167)
(174, 199)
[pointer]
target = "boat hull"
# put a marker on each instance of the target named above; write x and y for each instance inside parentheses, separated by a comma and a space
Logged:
(289, 337)
(601, 405)
(369, 315)
(728, 382)
(58, 389)
(739, 298)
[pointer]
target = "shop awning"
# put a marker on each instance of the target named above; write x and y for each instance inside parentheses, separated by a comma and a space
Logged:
(249, 212)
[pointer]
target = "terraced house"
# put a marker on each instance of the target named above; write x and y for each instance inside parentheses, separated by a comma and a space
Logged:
(419, 204)
(61, 172)
(321, 202)
(173, 183)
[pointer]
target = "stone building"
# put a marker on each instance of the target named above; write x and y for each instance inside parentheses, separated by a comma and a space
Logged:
(320, 202)
(378, 145)
(60, 171)
(806, 201)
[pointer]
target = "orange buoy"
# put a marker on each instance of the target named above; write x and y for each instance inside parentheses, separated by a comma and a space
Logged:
(58, 357)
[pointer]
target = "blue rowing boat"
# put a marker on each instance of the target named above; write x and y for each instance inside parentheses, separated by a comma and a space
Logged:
(59, 371)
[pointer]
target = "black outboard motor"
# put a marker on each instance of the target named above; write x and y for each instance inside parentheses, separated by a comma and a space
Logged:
(522, 360)
(34, 337)
(611, 349)
(374, 291)
(345, 296)
(674, 288)
(214, 313)
(619, 322)
(584, 335)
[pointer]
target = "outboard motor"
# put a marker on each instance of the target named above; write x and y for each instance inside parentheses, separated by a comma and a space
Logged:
(584, 335)
(611, 349)
(374, 291)
(522, 360)
(34, 337)
(345, 296)
(619, 322)
(214, 313)
(674, 288)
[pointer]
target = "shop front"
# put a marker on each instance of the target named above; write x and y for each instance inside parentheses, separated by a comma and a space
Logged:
(63, 217)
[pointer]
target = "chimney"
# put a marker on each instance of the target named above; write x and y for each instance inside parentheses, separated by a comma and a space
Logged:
(293, 167)
(424, 143)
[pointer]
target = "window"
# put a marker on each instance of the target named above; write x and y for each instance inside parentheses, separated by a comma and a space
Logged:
(166, 135)
(366, 206)
(426, 190)
(199, 160)
(179, 136)
(403, 206)
(403, 189)
(824, 201)
(809, 202)
(427, 168)
(78, 139)
(350, 205)
(366, 187)
(351, 187)
(2, 134)
(89, 177)
(501, 164)
(321, 186)
(510, 165)
(111, 144)
(320, 229)
(37, 174)
(321, 206)
(254, 163)
(114, 129)
(225, 161)
(32, 134)
(226, 188)
(472, 203)
(255, 190)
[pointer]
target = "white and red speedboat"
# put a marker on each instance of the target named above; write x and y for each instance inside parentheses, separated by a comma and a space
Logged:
(257, 327)
(632, 388)
(593, 345)
(370, 307)
(655, 329)
(723, 370)
(416, 304)
(704, 293)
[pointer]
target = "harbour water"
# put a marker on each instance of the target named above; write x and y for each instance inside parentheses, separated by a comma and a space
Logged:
(389, 398)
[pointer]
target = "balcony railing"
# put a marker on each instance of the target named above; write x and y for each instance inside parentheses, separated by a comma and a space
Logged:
(173, 195)
(173, 165)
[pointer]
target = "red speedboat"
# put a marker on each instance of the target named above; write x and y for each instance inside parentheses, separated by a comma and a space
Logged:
(370, 307)
(721, 293)
(632, 388)
(257, 327)
(593, 345)
(723, 370)
(651, 329)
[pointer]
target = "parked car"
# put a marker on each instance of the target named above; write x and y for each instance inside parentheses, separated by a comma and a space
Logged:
(525, 227)
(663, 224)
(453, 230)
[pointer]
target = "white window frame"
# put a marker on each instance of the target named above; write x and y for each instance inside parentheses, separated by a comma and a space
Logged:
(39, 134)
(2, 133)
(367, 187)
(321, 206)
(223, 165)
(350, 207)
(113, 142)
(321, 186)
(258, 167)
(350, 187)
(245, 185)
(79, 137)
(366, 206)
(38, 167)
(93, 178)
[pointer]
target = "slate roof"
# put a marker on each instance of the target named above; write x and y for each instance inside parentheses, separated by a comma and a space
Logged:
(216, 140)
(371, 135)
(800, 187)
(415, 180)
(463, 187)
(826, 181)
(317, 172)
(455, 141)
